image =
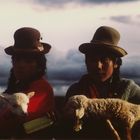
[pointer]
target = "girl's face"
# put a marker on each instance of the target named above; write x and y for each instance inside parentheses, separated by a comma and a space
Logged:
(24, 67)
(100, 67)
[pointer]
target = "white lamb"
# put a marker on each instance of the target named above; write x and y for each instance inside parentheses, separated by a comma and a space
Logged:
(16, 103)
(80, 106)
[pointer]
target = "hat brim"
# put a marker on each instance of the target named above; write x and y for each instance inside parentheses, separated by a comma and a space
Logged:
(93, 47)
(11, 50)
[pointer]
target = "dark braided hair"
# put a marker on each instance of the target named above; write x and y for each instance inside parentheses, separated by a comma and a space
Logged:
(116, 75)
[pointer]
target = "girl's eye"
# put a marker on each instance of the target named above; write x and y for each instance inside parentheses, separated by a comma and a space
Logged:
(106, 60)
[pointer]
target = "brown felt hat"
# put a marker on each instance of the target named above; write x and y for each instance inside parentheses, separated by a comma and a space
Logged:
(105, 39)
(27, 40)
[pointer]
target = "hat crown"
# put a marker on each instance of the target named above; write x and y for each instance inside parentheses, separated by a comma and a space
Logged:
(106, 35)
(27, 40)
(27, 37)
(105, 39)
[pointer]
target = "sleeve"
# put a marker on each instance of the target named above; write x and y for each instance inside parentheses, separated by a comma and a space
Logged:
(134, 92)
(10, 124)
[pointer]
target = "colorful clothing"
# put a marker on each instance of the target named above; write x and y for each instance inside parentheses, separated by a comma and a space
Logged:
(39, 106)
(125, 89)
(43, 100)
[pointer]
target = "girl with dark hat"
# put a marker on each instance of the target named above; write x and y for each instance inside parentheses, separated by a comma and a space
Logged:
(103, 61)
(27, 75)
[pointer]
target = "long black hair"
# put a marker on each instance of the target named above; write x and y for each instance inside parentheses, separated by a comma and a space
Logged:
(116, 75)
(14, 86)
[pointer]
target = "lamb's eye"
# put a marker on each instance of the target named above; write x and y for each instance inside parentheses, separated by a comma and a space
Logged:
(14, 105)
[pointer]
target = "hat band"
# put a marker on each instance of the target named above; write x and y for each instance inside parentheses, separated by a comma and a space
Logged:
(104, 43)
(38, 48)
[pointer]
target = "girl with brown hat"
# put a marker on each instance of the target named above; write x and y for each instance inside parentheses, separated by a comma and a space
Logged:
(103, 61)
(27, 74)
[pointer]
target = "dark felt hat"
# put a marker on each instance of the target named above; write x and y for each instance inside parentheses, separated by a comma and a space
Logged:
(27, 40)
(105, 39)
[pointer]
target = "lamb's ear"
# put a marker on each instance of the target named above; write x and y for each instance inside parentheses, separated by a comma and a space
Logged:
(30, 94)
(80, 112)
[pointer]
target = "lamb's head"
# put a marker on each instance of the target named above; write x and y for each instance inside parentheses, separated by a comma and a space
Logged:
(75, 108)
(18, 102)
(76, 105)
